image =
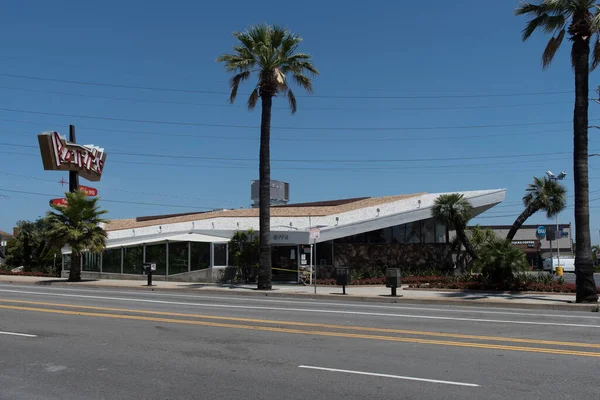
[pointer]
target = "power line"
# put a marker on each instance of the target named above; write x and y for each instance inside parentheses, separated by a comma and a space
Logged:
(302, 138)
(292, 128)
(110, 201)
(347, 161)
(196, 91)
(303, 108)
(116, 190)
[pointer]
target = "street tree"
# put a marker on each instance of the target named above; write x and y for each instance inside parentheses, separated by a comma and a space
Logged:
(455, 211)
(543, 194)
(580, 20)
(270, 53)
(77, 225)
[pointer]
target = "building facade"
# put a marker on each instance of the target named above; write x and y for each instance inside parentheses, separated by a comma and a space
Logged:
(361, 232)
(539, 248)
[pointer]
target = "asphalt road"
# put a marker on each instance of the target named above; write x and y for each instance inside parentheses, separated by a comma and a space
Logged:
(569, 277)
(59, 343)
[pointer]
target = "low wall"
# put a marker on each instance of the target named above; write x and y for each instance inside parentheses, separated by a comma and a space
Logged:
(376, 257)
(204, 275)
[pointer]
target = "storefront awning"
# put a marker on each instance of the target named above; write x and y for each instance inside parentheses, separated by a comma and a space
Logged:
(185, 237)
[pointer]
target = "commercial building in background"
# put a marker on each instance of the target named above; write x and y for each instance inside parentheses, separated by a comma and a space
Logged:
(537, 247)
(4, 238)
(367, 232)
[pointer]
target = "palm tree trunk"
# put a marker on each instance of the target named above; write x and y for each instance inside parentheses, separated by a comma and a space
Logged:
(265, 273)
(586, 286)
(528, 212)
(460, 232)
(75, 271)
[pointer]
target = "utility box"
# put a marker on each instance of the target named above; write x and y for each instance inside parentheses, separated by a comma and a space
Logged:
(392, 278)
(342, 276)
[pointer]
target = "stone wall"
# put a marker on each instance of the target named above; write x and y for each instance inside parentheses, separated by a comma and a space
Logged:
(370, 258)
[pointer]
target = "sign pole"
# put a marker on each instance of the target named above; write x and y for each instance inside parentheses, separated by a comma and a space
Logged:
(73, 175)
(315, 247)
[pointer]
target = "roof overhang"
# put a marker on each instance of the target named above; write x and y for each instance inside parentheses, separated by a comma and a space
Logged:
(481, 203)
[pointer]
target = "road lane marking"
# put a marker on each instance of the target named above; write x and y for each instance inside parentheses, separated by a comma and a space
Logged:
(312, 325)
(18, 334)
(308, 310)
(310, 332)
(463, 309)
(407, 378)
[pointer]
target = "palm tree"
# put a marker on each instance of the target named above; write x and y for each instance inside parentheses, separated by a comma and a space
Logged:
(270, 52)
(77, 225)
(453, 209)
(581, 19)
(543, 194)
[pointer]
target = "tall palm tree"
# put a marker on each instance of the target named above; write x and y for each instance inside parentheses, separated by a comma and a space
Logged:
(453, 209)
(543, 194)
(581, 20)
(270, 52)
(77, 225)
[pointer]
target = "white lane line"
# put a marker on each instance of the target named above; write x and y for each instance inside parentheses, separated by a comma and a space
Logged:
(306, 310)
(18, 334)
(463, 309)
(407, 378)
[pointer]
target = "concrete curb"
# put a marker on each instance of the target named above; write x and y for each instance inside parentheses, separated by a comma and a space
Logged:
(490, 291)
(384, 299)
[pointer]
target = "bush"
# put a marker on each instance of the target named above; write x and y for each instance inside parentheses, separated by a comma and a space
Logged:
(499, 260)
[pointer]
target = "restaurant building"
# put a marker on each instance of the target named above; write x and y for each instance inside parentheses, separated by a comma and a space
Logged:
(369, 231)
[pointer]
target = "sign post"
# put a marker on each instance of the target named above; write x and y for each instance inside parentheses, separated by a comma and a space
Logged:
(315, 233)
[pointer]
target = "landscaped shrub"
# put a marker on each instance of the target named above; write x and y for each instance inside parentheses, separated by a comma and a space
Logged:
(499, 260)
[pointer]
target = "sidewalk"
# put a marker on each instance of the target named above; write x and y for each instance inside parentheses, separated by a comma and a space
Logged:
(381, 294)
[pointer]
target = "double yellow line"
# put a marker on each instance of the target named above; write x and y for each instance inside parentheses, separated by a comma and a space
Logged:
(315, 329)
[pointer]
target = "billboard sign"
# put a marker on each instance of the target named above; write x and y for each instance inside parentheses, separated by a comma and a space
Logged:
(89, 191)
(60, 155)
(59, 202)
(540, 231)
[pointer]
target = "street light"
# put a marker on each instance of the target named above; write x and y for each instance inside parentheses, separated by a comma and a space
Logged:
(560, 177)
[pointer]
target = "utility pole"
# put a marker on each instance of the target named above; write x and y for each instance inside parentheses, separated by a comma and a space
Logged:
(73, 175)
(557, 235)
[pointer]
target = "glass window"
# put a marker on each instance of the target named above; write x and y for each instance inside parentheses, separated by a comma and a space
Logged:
(133, 260)
(377, 236)
(111, 260)
(178, 257)
(66, 262)
(413, 232)
(440, 232)
(220, 254)
(200, 255)
(157, 253)
(90, 261)
(324, 253)
(428, 231)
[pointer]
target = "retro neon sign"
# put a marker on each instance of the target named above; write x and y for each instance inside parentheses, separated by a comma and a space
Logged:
(60, 155)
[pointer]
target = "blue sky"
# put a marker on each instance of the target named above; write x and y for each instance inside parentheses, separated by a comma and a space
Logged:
(458, 67)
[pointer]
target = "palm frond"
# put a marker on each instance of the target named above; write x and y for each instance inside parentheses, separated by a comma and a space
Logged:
(551, 49)
(292, 101)
(533, 25)
(253, 99)
(528, 8)
(595, 54)
(277, 36)
(271, 52)
(234, 84)
(304, 82)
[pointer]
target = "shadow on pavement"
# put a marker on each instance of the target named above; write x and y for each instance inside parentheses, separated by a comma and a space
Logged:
(51, 281)
(502, 296)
